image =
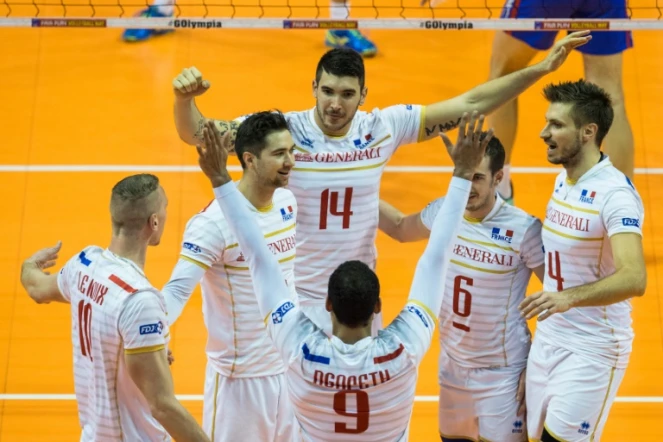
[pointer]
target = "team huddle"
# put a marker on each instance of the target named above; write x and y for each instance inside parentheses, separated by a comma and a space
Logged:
(285, 257)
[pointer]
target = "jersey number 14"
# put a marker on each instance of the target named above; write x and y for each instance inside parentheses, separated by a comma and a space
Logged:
(329, 206)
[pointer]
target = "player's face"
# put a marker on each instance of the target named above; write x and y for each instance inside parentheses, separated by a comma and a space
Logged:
(484, 185)
(276, 160)
(561, 135)
(337, 101)
(161, 216)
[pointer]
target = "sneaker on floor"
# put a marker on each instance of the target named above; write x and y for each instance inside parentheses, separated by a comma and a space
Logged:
(351, 39)
(135, 35)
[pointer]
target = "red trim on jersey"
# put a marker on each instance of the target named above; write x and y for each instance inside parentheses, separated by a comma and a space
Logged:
(390, 356)
(207, 206)
(122, 284)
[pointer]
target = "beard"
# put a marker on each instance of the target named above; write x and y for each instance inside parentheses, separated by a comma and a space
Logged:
(338, 126)
(572, 154)
(480, 204)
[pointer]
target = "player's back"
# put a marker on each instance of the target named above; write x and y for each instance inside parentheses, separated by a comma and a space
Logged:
(359, 392)
(336, 182)
(238, 344)
(489, 271)
(580, 218)
(104, 291)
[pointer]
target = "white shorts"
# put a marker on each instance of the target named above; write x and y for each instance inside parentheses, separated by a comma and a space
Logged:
(317, 312)
(570, 394)
(479, 403)
(248, 409)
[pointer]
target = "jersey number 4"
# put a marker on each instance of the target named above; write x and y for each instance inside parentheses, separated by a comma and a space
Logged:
(555, 269)
(361, 415)
(329, 206)
(462, 308)
(85, 328)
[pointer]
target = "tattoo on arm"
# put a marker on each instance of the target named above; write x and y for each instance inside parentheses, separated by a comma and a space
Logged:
(442, 127)
(222, 126)
(199, 133)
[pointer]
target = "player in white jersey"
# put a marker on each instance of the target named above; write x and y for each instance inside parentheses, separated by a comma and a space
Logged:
(484, 340)
(352, 386)
(342, 153)
(595, 263)
(123, 384)
(245, 392)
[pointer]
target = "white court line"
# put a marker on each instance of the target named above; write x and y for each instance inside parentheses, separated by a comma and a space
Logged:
(195, 169)
(196, 397)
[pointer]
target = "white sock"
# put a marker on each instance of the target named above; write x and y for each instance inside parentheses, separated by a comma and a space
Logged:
(504, 187)
(339, 10)
(164, 6)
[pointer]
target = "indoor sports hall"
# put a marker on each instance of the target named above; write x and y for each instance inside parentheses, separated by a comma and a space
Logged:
(81, 109)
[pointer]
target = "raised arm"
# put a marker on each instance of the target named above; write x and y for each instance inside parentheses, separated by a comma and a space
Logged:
(268, 283)
(41, 286)
(401, 227)
(429, 278)
(485, 98)
(189, 121)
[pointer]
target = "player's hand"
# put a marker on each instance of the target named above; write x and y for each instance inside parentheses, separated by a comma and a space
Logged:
(213, 154)
(520, 393)
(562, 49)
(544, 304)
(189, 84)
(469, 150)
(171, 358)
(45, 258)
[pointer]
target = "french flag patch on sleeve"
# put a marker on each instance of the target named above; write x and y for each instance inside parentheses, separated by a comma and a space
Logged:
(287, 213)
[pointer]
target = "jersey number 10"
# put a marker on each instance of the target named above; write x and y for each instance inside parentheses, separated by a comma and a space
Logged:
(329, 206)
(85, 328)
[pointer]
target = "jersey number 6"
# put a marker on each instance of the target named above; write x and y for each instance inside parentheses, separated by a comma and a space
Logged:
(464, 308)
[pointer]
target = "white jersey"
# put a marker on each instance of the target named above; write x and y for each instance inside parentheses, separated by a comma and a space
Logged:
(336, 181)
(238, 344)
(115, 311)
(490, 267)
(580, 219)
(354, 392)
(363, 391)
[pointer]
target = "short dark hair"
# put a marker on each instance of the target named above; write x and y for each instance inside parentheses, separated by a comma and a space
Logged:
(354, 291)
(591, 104)
(342, 62)
(129, 209)
(252, 133)
(494, 151)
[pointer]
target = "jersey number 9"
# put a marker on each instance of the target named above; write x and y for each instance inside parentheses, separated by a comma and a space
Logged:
(361, 415)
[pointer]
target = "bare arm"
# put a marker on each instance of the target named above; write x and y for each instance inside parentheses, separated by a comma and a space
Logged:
(485, 98)
(189, 121)
(400, 227)
(629, 279)
(151, 374)
(41, 286)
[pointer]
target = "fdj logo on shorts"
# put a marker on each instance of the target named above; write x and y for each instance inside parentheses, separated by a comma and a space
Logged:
(149, 329)
(277, 316)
